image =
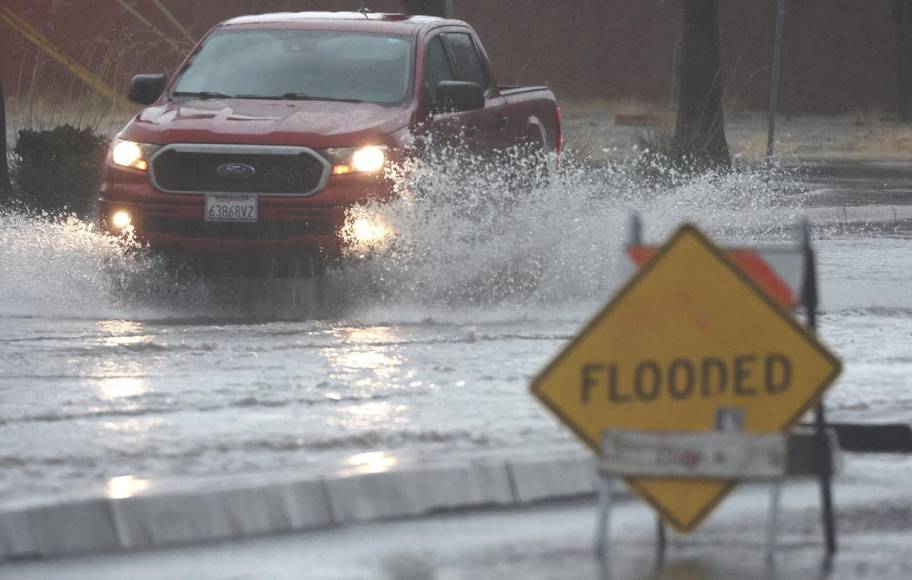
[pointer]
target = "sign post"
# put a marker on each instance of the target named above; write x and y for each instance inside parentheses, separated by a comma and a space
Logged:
(775, 78)
(690, 345)
(809, 300)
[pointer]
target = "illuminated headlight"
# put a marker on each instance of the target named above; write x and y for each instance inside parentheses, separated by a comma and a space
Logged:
(368, 159)
(121, 220)
(357, 160)
(132, 155)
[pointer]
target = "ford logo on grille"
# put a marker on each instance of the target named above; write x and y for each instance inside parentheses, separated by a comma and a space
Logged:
(236, 170)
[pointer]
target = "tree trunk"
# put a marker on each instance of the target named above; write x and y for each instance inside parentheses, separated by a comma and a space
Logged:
(440, 8)
(699, 126)
(903, 12)
(5, 187)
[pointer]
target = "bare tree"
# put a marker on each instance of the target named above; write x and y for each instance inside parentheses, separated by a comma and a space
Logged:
(5, 186)
(699, 126)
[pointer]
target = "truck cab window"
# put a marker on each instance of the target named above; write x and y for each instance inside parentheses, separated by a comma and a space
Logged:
(436, 67)
(468, 63)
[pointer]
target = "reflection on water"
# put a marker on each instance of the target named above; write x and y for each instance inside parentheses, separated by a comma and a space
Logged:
(374, 462)
(371, 415)
(126, 486)
(124, 333)
(368, 361)
(121, 378)
(134, 425)
(120, 328)
(122, 387)
(367, 357)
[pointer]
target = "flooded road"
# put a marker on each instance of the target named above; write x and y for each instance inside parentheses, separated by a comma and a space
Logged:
(109, 368)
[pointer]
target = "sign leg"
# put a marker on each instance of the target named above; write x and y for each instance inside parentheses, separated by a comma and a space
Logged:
(825, 475)
(603, 524)
(810, 301)
(635, 230)
(772, 524)
(661, 541)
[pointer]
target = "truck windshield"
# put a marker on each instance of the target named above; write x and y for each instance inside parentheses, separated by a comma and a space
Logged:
(301, 65)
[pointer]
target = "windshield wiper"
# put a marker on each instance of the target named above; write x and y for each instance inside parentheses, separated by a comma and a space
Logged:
(297, 97)
(303, 97)
(202, 94)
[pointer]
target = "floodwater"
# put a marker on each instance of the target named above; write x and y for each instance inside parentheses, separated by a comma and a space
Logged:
(111, 365)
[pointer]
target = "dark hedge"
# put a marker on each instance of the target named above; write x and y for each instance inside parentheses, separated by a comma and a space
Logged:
(60, 169)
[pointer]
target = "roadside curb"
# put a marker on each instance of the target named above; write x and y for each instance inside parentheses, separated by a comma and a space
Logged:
(189, 511)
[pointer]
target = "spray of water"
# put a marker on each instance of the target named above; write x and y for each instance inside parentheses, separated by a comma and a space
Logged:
(463, 232)
(63, 267)
(60, 266)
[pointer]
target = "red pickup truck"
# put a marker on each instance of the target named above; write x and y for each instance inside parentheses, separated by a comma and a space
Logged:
(276, 124)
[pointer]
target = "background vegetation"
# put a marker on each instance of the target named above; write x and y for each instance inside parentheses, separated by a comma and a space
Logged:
(59, 170)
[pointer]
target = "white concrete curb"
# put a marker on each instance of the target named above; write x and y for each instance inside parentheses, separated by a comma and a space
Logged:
(186, 511)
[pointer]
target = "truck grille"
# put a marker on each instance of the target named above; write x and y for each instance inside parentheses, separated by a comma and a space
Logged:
(239, 169)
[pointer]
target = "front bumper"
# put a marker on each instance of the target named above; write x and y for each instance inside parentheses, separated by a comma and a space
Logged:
(292, 225)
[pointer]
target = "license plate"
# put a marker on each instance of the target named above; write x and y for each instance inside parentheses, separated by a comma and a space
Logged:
(231, 208)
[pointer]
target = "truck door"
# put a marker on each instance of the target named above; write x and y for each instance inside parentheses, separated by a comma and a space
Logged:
(454, 56)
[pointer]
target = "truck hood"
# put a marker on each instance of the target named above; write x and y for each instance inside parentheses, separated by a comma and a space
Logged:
(315, 124)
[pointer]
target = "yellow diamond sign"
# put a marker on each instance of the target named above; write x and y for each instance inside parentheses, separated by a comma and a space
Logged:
(688, 343)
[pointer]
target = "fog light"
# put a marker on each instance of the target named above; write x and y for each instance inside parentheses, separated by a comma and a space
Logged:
(367, 231)
(121, 220)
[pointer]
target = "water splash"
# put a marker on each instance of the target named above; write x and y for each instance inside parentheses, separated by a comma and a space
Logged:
(466, 233)
(61, 266)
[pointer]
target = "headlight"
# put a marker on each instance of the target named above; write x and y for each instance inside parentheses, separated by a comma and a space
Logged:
(368, 159)
(357, 160)
(132, 155)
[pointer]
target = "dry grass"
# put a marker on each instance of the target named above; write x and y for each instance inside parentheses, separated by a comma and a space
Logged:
(74, 102)
(591, 131)
(611, 107)
(95, 113)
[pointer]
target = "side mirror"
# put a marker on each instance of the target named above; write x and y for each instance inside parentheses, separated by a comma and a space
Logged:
(145, 89)
(459, 96)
